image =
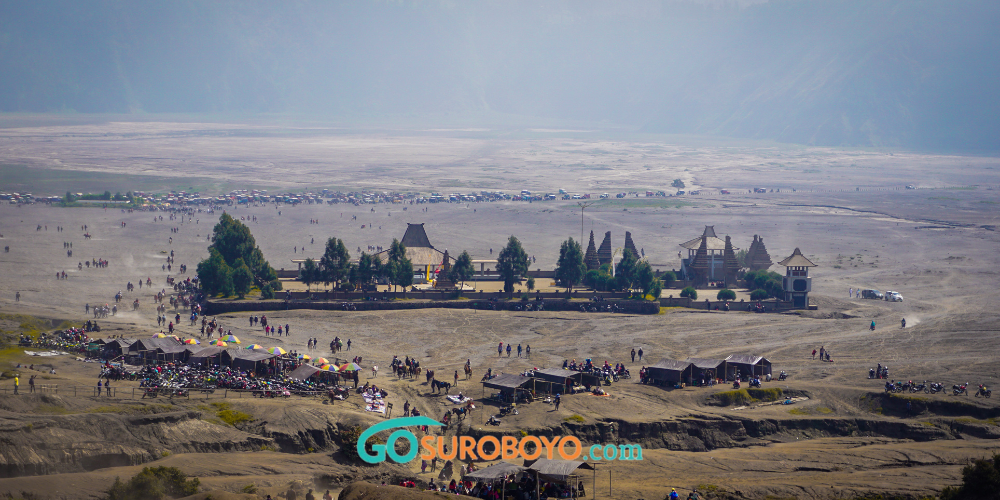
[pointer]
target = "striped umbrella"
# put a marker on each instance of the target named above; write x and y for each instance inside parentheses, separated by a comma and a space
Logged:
(305, 357)
(321, 361)
(350, 367)
(231, 338)
(192, 341)
(328, 367)
(217, 343)
(255, 347)
(160, 335)
(276, 350)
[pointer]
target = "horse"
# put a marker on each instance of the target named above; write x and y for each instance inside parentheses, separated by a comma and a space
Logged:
(440, 386)
(461, 413)
(430, 375)
(468, 372)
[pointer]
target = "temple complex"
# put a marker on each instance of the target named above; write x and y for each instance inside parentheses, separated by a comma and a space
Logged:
(425, 258)
(706, 258)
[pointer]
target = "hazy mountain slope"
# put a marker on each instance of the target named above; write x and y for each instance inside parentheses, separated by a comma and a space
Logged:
(911, 73)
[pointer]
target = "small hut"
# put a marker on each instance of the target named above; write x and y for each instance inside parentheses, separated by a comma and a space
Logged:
(561, 381)
(746, 365)
(509, 384)
(670, 371)
(708, 368)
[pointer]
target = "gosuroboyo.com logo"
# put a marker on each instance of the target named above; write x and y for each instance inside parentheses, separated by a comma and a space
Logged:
(485, 448)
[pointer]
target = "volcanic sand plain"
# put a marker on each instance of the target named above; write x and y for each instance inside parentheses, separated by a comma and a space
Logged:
(936, 245)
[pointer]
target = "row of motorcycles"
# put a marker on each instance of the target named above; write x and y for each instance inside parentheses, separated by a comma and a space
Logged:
(934, 388)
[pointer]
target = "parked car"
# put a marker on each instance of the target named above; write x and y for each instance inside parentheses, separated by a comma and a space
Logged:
(892, 296)
(872, 294)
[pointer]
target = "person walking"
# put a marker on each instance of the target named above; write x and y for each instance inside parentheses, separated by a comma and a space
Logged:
(17, 297)
(814, 353)
(633, 354)
(640, 354)
(508, 350)
(557, 401)
(107, 386)
(527, 351)
(17, 382)
(500, 349)
(374, 371)
(31, 384)
(519, 350)
(673, 494)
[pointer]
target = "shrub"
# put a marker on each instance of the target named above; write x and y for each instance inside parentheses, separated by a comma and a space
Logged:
(668, 278)
(758, 294)
(769, 394)
(267, 292)
(726, 294)
(690, 292)
(574, 418)
(737, 397)
(349, 442)
(154, 483)
(230, 416)
(981, 479)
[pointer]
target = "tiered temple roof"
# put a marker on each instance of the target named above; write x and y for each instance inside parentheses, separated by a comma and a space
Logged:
(757, 258)
(590, 258)
(730, 265)
(711, 241)
(796, 259)
(630, 245)
(604, 253)
(699, 265)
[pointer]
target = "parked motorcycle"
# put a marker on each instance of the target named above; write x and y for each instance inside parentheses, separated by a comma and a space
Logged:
(936, 388)
(508, 410)
(961, 389)
(984, 392)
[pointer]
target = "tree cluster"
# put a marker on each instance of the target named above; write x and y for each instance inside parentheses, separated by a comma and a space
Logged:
(154, 483)
(631, 274)
(235, 263)
(764, 284)
(335, 267)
